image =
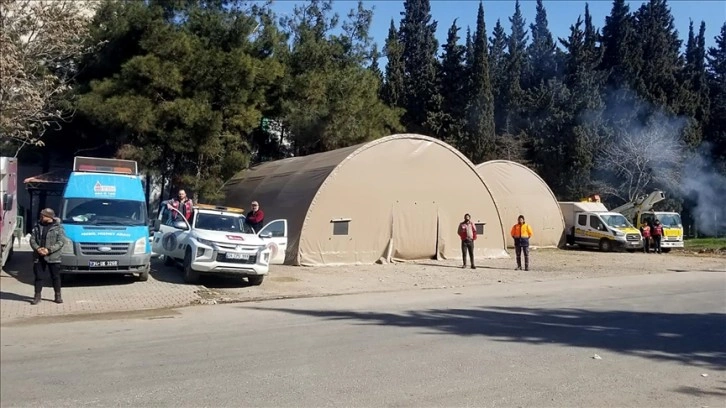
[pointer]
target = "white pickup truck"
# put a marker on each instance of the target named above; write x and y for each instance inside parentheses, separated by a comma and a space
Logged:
(218, 241)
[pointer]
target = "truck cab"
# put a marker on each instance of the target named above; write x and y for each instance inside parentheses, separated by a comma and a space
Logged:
(8, 206)
(216, 240)
(105, 220)
(672, 227)
(590, 224)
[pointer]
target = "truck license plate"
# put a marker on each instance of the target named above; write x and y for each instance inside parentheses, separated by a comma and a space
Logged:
(102, 264)
(230, 255)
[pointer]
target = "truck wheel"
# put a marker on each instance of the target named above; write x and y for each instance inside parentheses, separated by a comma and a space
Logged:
(190, 275)
(144, 276)
(169, 261)
(665, 250)
(255, 280)
(606, 245)
(10, 251)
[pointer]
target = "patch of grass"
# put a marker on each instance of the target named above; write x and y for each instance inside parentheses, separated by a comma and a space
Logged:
(696, 244)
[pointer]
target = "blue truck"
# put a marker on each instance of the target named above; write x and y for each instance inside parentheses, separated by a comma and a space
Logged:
(104, 217)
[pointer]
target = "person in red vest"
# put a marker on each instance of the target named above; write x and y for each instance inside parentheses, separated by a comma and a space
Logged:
(467, 233)
(184, 204)
(645, 231)
(657, 233)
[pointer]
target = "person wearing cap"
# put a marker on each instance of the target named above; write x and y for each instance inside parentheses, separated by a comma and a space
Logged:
(657, 233)
(521, 233)
(47, 240)
(256, 217)
(467, 233)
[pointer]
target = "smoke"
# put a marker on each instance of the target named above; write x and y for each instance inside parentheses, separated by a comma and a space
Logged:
(643, 148)
(703, 185)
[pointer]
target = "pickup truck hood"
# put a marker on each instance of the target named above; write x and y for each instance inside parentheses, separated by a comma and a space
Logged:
(230, 237)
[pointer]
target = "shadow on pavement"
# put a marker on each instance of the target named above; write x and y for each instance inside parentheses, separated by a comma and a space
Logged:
(696, 339)
(13, 296)
(173, 274)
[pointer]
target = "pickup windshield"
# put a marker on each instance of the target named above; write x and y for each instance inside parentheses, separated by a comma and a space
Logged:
(616, 221)
(669, 220)
(94, 211)
(222, 222)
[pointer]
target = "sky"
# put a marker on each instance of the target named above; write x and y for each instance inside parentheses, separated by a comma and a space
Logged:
(560, 15)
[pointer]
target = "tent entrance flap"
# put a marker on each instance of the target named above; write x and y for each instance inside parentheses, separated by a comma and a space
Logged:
(415, 231)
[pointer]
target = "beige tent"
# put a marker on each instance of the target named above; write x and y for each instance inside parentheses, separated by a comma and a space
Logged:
(397, 198)
(519, 190)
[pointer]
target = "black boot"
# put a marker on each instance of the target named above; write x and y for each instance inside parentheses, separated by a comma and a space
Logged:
(36, 299)
(58, 298)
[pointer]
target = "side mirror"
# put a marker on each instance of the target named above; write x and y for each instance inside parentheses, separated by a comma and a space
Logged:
(7, 202)
(267, 234)
(180, 225)
(154, 225)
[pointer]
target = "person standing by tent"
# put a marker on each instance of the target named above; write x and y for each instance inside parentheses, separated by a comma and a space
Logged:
(645, 232)
(657, 233)
(184, 205)
(467, 233)
(521, 232)
(256, 217)
(47, 240)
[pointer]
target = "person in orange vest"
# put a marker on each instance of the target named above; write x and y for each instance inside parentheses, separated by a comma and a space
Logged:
(657, 233)
(522, 232)
(467, 233)
(645, 231)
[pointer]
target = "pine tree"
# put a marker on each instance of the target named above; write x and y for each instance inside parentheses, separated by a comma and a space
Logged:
(417, 33)
(375, 69)
(716, 127)
(661, 59)
(514, 96)
(453, 85)
(621, 55)
(392, 91)
(498, 71)
(480, 112)
(542, 60)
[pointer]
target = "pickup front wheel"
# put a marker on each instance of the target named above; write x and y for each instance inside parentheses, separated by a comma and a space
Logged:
(190, 275)
(255, 280)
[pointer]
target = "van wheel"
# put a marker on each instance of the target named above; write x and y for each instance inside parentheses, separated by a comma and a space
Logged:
(665, 250)
(570, 240)
(606, 245)
(144, 276)
(190, 275)
(255, 280)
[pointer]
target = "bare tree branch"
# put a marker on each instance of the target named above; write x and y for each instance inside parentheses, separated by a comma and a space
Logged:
(40, 42)
(641, 157)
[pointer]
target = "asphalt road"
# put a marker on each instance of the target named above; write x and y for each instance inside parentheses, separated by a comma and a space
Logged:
(661, 342)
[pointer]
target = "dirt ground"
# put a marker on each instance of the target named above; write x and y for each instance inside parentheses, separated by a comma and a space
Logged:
(546, 265)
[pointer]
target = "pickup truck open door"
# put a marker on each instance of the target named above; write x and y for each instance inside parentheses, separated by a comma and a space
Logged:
(275, 233)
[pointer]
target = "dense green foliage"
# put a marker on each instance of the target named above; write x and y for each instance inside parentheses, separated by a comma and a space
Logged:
(196, 90)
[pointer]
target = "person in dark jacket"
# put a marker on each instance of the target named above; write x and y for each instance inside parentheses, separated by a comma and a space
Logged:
(256, 217)
(47, 240)
(467, 233)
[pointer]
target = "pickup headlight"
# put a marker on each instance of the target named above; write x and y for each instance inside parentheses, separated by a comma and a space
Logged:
(205, 242)
(68, 247)
(140, 245)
